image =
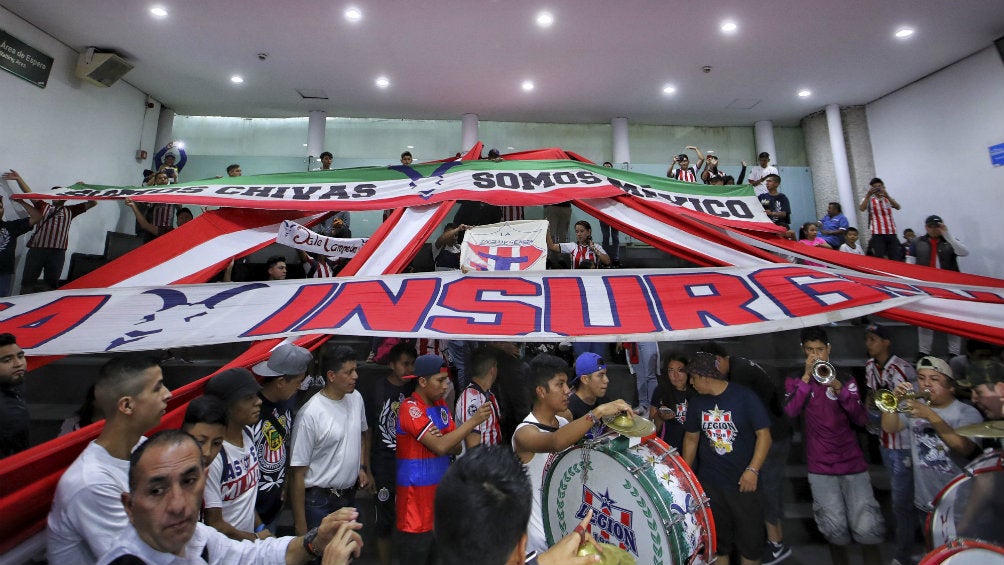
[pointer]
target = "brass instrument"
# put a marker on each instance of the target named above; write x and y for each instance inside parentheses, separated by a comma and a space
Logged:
(823, 371)
(891, 403)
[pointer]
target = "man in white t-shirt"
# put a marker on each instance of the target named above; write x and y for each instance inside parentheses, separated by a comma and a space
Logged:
(759, 173)
(232, 483)
(331, 449)
(87, 514)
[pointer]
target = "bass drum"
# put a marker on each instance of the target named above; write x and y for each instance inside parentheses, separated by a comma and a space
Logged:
(971, 505)
(965, 552)
(644, 498)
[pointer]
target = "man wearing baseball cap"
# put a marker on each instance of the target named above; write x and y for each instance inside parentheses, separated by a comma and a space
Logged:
(589, 385)
(728, 432)
(938, 453)
(937, 248)
(232, 482)
(985, 378)
(282, 373)
(426, 438)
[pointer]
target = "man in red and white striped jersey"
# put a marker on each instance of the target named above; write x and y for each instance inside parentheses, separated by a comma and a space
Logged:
(884, 242)
(484, 370)
(884, 371)
(47, 245)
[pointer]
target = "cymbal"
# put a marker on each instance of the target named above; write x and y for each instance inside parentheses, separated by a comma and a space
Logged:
(630, 427)
(612, 555)
(991, 429)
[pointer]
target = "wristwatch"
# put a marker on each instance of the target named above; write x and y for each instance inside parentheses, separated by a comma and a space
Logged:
(308, 543)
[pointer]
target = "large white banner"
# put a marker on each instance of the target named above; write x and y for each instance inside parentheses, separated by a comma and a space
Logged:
(592, 305)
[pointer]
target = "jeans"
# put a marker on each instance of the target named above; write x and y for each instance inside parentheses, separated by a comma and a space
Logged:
(611, 241)
(43, 259)
(319, 502)
(647, 372)
(899, 465)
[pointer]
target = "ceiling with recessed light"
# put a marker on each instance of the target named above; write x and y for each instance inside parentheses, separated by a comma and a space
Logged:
(589, 61)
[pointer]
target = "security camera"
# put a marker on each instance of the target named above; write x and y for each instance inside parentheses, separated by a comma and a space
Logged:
(262, 56)
(706, 69)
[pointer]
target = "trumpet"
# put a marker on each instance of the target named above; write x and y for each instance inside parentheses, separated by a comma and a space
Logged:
(823, 371)
(891, 403)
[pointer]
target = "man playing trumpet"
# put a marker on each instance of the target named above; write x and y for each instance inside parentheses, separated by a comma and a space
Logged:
(844, 504)
(938, 453)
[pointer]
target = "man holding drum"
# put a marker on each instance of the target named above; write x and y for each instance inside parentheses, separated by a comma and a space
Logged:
(543, 433)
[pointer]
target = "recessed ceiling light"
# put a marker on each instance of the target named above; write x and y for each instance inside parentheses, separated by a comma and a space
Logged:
(411, 147)
(159, 11)
(527, 85)
(904, 32)
(729, 27)
(353, 14)
(545, 19)
(668, 89)
(804, 93)
(179, 144)
(237, 79)
(382, 82)
(304, 144)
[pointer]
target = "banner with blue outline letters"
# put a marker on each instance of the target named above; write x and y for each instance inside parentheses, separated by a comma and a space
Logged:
(662, 304)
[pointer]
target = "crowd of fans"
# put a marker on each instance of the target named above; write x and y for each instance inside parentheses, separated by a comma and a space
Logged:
(443, 412)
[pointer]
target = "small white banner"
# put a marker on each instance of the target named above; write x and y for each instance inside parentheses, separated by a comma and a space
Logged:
(296, 236)
(509, 246)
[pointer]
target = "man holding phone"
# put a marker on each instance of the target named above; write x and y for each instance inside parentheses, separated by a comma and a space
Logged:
(880, 205)
(937, 248)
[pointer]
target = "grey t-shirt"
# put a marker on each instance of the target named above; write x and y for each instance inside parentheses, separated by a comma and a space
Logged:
(934, 464)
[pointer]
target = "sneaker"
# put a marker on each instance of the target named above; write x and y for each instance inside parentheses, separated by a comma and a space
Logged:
(775, 553)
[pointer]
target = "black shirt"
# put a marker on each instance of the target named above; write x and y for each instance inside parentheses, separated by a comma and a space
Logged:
(13, 421)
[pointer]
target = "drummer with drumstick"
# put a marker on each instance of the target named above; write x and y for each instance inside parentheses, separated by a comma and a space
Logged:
(938, 453)
(543, 432)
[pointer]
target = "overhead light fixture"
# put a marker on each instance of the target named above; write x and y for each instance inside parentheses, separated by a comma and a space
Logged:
(382, 82)
(804, 93)
(179, 144)
(527, 85)
(904, 32)
(545, 19)
(304, 144)
(353, 14)
(411, 147)
(159, 11)
(237, 79)
(729, 27)
(668, 89)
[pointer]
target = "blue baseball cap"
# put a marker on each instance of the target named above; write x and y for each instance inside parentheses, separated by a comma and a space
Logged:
(427, 366)
(587, 364)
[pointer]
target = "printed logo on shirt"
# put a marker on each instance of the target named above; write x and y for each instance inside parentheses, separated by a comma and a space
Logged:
(932, 453)
(241, 476)
(414, 411)
(681, 412)
(720, 430)
(388, 422)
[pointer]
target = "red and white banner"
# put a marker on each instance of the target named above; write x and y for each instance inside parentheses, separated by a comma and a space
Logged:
(292, 234)
(661, 304)
(508, 246)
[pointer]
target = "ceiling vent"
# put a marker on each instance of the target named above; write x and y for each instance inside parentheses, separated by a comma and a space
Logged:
(312, 94)
(743, 103)
(101, 69)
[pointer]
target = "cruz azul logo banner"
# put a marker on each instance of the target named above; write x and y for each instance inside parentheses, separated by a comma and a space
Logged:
(509, 246)
(524, 183)
(664, 304)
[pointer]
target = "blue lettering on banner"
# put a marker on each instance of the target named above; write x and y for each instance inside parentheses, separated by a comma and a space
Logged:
(997, 155)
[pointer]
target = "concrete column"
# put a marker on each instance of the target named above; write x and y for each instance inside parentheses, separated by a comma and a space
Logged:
(622, 149)
(165, 129)
(839, 152)
(763, 131)
(315, 134)
(468, 132)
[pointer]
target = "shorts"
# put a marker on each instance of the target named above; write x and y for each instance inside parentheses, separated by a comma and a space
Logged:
(845, 507)
(738, 521)
(385, 508)
(771, 481)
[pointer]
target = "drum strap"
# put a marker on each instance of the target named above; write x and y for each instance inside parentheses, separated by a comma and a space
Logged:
(544, 427)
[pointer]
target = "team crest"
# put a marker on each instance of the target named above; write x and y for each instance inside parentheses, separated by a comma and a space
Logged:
(610, 523)
(414, 411)
(721, 431)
